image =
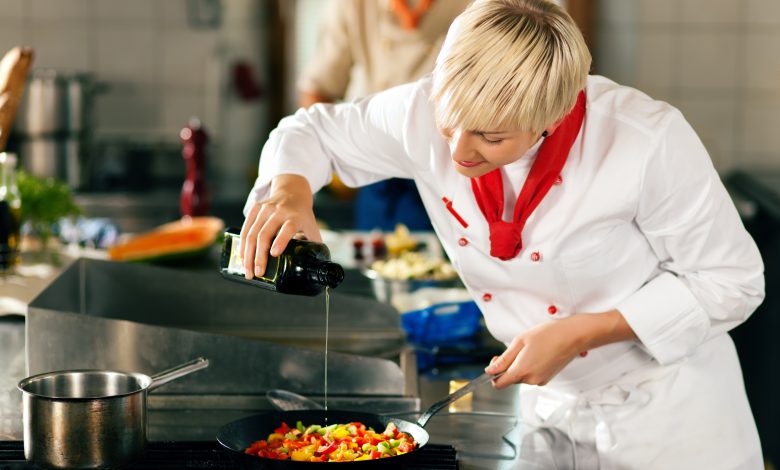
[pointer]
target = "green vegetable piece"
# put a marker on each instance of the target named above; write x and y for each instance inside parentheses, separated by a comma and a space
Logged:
(300, 426)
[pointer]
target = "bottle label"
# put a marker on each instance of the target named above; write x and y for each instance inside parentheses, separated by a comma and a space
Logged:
(236, 262)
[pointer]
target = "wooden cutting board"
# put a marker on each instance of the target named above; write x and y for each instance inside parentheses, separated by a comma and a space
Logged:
(13, 76)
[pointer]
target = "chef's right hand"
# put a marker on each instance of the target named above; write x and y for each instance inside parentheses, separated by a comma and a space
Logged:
(536, 355)
(271, 223)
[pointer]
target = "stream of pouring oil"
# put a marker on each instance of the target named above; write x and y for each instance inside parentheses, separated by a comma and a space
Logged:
(327, 321)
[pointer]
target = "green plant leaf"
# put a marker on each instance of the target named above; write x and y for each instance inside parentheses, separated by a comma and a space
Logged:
(44, 200)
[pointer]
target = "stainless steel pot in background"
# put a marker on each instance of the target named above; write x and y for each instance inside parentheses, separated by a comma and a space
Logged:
(89, 418)
(55, 103)
(49, 157)
(54, 125)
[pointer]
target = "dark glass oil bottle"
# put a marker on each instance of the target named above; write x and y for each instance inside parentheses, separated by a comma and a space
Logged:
(10, 213)
(304, 268)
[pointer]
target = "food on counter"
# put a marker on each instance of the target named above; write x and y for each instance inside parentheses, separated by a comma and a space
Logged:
(334, 443)
(400, 241)
(414, 266)
(184, 238)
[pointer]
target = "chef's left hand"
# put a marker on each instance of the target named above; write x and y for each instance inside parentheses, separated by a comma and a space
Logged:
(537, 355)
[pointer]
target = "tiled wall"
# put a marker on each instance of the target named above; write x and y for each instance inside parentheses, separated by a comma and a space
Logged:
(155, 64)
(716, 60)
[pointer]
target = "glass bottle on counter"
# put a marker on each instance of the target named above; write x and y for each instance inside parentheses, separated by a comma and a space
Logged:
(10, 213)
(303, 268)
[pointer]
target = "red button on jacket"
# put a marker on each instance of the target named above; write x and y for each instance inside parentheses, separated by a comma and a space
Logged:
(536, 256)
(487, 297)
(462, 241)
(552, 309)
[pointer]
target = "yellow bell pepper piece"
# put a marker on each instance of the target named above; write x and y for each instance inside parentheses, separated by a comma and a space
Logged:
(303, 454)
(340, 433)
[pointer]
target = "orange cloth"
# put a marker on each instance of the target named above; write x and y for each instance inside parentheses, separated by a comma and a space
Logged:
(410, 17)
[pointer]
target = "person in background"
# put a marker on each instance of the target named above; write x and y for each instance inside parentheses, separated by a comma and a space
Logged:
(585, 218)
(366, 46)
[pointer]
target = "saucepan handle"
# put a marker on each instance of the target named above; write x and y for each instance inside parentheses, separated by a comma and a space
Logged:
(179, 371)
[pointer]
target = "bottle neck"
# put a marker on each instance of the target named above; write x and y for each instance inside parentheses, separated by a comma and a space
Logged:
(329, 274)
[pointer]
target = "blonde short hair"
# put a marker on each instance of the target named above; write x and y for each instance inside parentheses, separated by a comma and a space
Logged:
(509, 65)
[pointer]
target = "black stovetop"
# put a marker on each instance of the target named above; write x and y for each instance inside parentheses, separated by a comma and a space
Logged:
(195, 455)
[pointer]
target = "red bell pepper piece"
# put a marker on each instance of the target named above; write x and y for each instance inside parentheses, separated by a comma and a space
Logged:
(327, 449)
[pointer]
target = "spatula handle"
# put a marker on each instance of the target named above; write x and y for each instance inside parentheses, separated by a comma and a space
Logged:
(464, 390)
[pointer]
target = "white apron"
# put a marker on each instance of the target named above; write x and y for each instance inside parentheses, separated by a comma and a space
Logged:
(658, 417)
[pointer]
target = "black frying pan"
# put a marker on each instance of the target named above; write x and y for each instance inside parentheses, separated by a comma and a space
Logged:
(236, 436)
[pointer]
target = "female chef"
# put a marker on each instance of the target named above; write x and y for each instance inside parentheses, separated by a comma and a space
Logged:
(585, 218)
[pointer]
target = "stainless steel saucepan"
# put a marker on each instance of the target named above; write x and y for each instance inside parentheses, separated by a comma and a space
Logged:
(90, 418)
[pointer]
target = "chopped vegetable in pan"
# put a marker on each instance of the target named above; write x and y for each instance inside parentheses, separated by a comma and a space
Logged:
(334, 443)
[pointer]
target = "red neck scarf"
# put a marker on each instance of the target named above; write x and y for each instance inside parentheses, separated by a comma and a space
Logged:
(506, 237)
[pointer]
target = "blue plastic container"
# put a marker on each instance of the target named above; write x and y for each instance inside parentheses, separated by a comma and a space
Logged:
(442, 322)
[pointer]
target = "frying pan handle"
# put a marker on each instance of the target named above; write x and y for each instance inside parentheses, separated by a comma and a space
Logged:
(179, 371)
(464, 390)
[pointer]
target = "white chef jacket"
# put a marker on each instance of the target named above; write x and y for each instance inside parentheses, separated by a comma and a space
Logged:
(639, 221)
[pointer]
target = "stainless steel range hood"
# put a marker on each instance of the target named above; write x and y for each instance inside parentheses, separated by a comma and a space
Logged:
(134, 317)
